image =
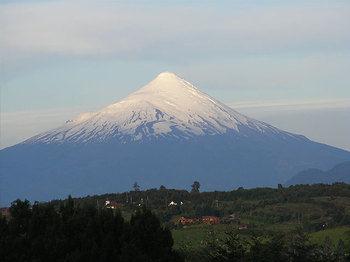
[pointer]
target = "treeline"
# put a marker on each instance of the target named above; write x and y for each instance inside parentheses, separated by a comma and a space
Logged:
(75, 232)
(69, 232)
(156, 198)
(43, 232)
(310, 205)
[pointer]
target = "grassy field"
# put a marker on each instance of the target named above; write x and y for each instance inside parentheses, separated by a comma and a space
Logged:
(335, 234)
(264, 210)
(194, 237)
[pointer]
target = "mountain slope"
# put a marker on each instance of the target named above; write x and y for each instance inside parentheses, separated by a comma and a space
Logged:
(167, 107)
(339, 173)
(168, 132)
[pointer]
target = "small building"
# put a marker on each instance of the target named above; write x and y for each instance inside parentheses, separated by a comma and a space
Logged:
(173, 203)
(242, 226)
(230, 219)
(112, 204)
(5, 212)
(188, 221)
(210, 220)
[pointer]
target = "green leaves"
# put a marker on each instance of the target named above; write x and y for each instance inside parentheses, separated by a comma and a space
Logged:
(82, 233)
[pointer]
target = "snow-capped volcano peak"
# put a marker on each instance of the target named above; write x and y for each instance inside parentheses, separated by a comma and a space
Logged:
(167, 76)
(168, 106)
(169, 84)
(168, 81)
(166, 133)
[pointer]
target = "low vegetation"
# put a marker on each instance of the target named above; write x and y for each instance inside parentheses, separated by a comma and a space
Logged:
(297, 223)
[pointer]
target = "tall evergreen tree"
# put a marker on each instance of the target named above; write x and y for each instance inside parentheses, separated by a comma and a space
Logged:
(195, 187)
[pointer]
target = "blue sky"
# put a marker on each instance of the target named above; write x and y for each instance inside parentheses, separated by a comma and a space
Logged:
(285, 59)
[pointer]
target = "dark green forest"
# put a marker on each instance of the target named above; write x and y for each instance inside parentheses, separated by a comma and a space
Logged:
(311, 206)
(296, 223)
(72, 233)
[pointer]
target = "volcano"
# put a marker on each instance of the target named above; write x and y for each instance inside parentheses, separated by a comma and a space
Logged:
(166, 133)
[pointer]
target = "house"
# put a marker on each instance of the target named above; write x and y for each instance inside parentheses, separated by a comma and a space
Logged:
(5, 212)
(112, 204)
(210, 220)
(173, 203)
(187, 221)
(230, 219)
(242, 227)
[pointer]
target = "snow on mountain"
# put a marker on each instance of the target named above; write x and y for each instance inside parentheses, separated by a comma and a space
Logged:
(168, 106)
(167, 133)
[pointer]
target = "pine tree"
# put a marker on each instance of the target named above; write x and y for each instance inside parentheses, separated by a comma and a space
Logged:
(136, 187)
(195, 187)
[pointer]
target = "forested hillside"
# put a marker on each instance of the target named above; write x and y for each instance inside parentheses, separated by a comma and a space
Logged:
(297, 223)
(339, 173)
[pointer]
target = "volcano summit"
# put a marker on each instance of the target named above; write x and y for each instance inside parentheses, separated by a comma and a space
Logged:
(168, 107)
(168, 132)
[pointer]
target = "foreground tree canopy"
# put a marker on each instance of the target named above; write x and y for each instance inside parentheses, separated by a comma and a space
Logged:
(269, 248)
(84, 229)
(72, 233)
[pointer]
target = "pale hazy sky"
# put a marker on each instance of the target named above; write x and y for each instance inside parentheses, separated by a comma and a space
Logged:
(284, 62)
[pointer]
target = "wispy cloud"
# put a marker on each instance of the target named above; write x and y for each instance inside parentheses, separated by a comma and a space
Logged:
(288, 51)
(85, 28)
(20, 125)
(293, 105)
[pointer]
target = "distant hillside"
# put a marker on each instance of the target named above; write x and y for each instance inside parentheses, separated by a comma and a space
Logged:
(166, 133)
(339, 173)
